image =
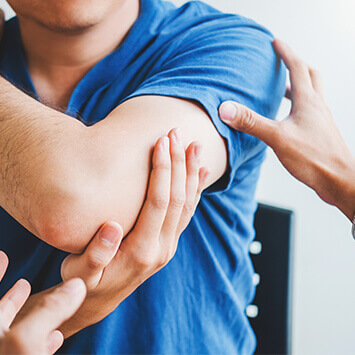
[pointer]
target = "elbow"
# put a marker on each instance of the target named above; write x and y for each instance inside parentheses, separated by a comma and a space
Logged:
(67, 204)
(60, 233)
(65, 222)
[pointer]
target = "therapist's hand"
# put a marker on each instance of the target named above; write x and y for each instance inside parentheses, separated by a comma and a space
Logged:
(175, 185)
(37, 332)
(307, 142)
(113, 268)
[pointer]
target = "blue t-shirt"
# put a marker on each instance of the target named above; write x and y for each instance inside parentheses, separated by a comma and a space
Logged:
(196, 304)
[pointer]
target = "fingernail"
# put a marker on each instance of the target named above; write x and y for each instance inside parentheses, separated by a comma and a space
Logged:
(165, 144)
(109, 235)
(197, 150)
(227, 111)
(73, 286)
(177, 135)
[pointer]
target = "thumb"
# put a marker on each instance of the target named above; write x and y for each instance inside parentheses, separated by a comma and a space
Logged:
(55, 341)
(245, 120)
(90, 265)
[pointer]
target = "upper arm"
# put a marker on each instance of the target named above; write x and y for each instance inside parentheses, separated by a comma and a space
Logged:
(118, 163)
(130, 133)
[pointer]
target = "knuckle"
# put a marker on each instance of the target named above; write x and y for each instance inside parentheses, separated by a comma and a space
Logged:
(147, 261)
(189, 208)
(143, 261)
(51, 302)
(247, 121)
(162, 166)
(193, 169)
(160, 202)
(95, 261)
(177, 200)
(163, 260)
(178, 158)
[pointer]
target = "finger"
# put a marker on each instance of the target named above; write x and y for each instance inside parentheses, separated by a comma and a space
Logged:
(204, 174)
(193, 164)
(98, 254)
(4, 262)
(177, 187)
(2, 21)
(299, 74)
(54, 309)
(245, 120)
(153, 213)
(317, 81)
(13, 301)
(55, 341)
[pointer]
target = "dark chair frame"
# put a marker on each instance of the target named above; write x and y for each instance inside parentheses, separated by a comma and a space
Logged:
(273, 300)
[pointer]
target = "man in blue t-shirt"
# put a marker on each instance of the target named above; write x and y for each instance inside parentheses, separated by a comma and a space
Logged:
(129, 71)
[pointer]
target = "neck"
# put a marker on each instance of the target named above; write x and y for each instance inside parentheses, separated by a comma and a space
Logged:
(57, 61)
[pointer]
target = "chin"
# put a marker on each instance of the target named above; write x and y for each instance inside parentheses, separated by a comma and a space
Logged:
(64, 15)
(69, 24)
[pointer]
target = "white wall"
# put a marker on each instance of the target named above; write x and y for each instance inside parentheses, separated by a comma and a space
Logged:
(323, 33)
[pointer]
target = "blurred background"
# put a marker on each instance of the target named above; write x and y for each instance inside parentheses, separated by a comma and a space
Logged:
(323, 33)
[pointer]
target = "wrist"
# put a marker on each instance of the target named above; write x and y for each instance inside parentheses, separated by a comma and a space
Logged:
(345, 182)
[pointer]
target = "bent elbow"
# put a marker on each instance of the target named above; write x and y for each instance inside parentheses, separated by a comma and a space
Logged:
(58, 233)
(65, 223)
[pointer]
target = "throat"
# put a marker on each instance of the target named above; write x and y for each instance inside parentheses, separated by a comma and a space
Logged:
(58, 60)
(55, 88)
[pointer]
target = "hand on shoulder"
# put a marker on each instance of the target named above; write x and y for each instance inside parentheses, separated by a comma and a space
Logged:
(307, 142)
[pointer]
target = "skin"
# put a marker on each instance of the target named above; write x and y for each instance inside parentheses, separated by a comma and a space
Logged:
(37, 332)
(70, 30)
(63, 40)
(44, 188)
(113, 269)
(50, 155)
(307, 142)
(107, 257)
(72, 16)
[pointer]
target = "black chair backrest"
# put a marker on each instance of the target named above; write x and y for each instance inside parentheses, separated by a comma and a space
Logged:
(271, 253)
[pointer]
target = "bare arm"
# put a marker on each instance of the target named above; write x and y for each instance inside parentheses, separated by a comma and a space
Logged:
(63, 180)
(113, 268)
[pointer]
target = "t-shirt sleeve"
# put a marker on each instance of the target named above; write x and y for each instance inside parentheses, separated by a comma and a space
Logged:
(222, 57)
